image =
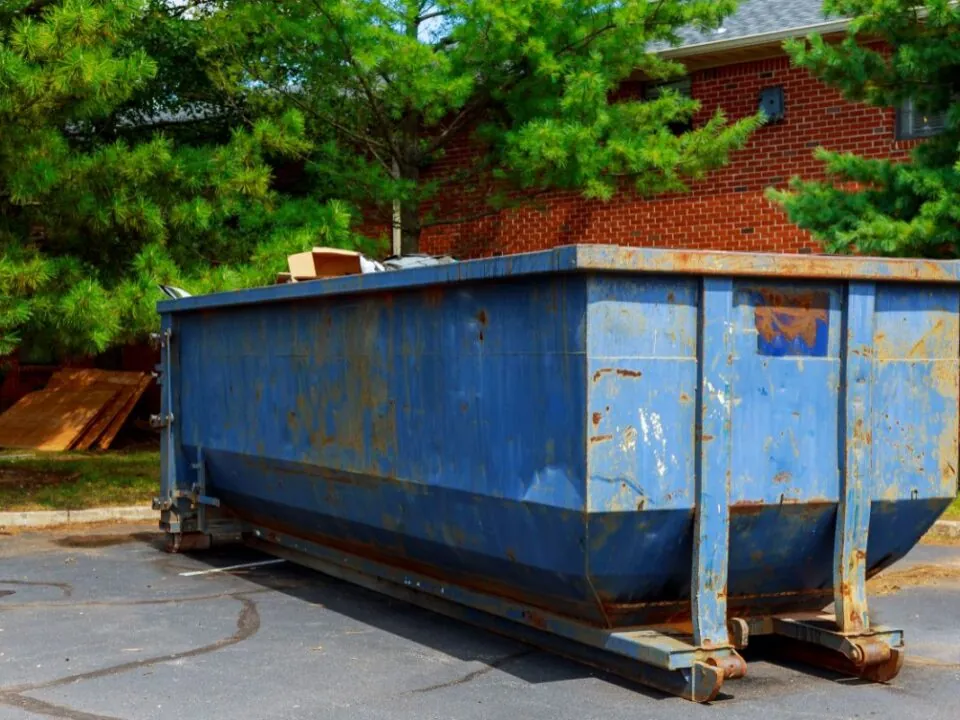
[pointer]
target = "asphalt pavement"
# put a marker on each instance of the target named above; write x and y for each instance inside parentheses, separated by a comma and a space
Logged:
(102, 624)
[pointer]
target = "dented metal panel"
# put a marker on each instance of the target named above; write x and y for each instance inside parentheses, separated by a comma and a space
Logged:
(618, 437)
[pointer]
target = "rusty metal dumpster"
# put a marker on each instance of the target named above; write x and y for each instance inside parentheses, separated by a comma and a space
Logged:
(638, 458)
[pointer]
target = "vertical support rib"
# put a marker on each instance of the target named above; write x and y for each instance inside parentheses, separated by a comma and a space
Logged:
(712, 514)
(168, 453)
(853, 512)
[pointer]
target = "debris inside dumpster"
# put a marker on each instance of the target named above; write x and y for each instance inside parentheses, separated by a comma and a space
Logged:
(326, 262)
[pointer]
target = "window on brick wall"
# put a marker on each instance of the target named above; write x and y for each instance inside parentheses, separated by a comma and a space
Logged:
(651, 91)
(913, 124)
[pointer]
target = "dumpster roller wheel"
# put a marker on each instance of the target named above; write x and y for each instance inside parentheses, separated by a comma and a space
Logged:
(186, 542)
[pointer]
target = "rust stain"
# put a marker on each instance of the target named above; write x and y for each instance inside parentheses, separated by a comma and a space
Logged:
(433, 296)
(600, 373)
(600, 439)
(629, 373)
(782, 477)
(755, 507)
(395, 555)
(676, 614)
(482, 317)
(791, 315)
(918, 349)
(758, 265)
(596, 418)
(535, 619)
(707, 438)
(684, 398)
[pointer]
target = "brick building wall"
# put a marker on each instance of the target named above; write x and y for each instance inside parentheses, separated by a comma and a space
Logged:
(726, 211)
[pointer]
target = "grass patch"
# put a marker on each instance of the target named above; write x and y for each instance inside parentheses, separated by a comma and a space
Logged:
(73, 481)
(953, 512)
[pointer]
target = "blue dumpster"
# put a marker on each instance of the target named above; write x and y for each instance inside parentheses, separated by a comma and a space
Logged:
(638, 458)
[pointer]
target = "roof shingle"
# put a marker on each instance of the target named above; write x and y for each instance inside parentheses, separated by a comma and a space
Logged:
(760, 17)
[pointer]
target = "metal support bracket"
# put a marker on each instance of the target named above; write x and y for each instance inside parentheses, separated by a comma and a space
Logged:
(876, 654)
(853, 512)
(197, 495)
(166, 502)
(711, 538)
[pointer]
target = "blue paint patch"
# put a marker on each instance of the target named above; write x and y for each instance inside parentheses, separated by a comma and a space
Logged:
(791, 323)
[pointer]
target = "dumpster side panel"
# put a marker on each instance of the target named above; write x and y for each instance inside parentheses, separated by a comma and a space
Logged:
(439, 426)
(914, 428)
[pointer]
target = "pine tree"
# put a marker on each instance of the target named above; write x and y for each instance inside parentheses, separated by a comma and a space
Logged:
(894, 51)
(387, 86)
(97, 206)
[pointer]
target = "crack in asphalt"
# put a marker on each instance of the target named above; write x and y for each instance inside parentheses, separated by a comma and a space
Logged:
(498, 663)
(62, 712)
(248, 623)
(46, 604)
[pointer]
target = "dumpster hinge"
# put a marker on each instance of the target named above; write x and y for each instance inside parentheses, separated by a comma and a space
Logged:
(161, 339)
(161, 421)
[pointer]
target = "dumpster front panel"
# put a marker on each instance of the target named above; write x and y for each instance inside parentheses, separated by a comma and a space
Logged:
(787, 432)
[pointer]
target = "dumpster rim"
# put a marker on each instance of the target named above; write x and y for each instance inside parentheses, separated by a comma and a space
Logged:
(587, 259)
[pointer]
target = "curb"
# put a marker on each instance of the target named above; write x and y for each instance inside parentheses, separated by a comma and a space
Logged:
(53, 518)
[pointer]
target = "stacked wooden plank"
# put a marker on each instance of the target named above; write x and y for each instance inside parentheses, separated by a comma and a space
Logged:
(80, 408)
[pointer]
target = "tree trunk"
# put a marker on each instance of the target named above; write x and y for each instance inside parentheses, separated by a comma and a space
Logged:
(409, 228)
(410, 214)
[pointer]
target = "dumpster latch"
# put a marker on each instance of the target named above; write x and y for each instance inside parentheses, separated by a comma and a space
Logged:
(196, 496)
(198, 491)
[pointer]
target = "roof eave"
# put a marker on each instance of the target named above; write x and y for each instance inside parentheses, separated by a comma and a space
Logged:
(760, 39)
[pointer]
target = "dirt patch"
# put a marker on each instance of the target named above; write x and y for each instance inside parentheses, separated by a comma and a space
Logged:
(99, 541)
(888, 583)
(22, 477)
(937, 537)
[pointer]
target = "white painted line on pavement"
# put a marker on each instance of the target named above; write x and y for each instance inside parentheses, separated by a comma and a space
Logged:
(259, 563)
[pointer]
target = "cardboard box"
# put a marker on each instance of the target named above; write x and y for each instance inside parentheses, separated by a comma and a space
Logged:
(324, 263)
